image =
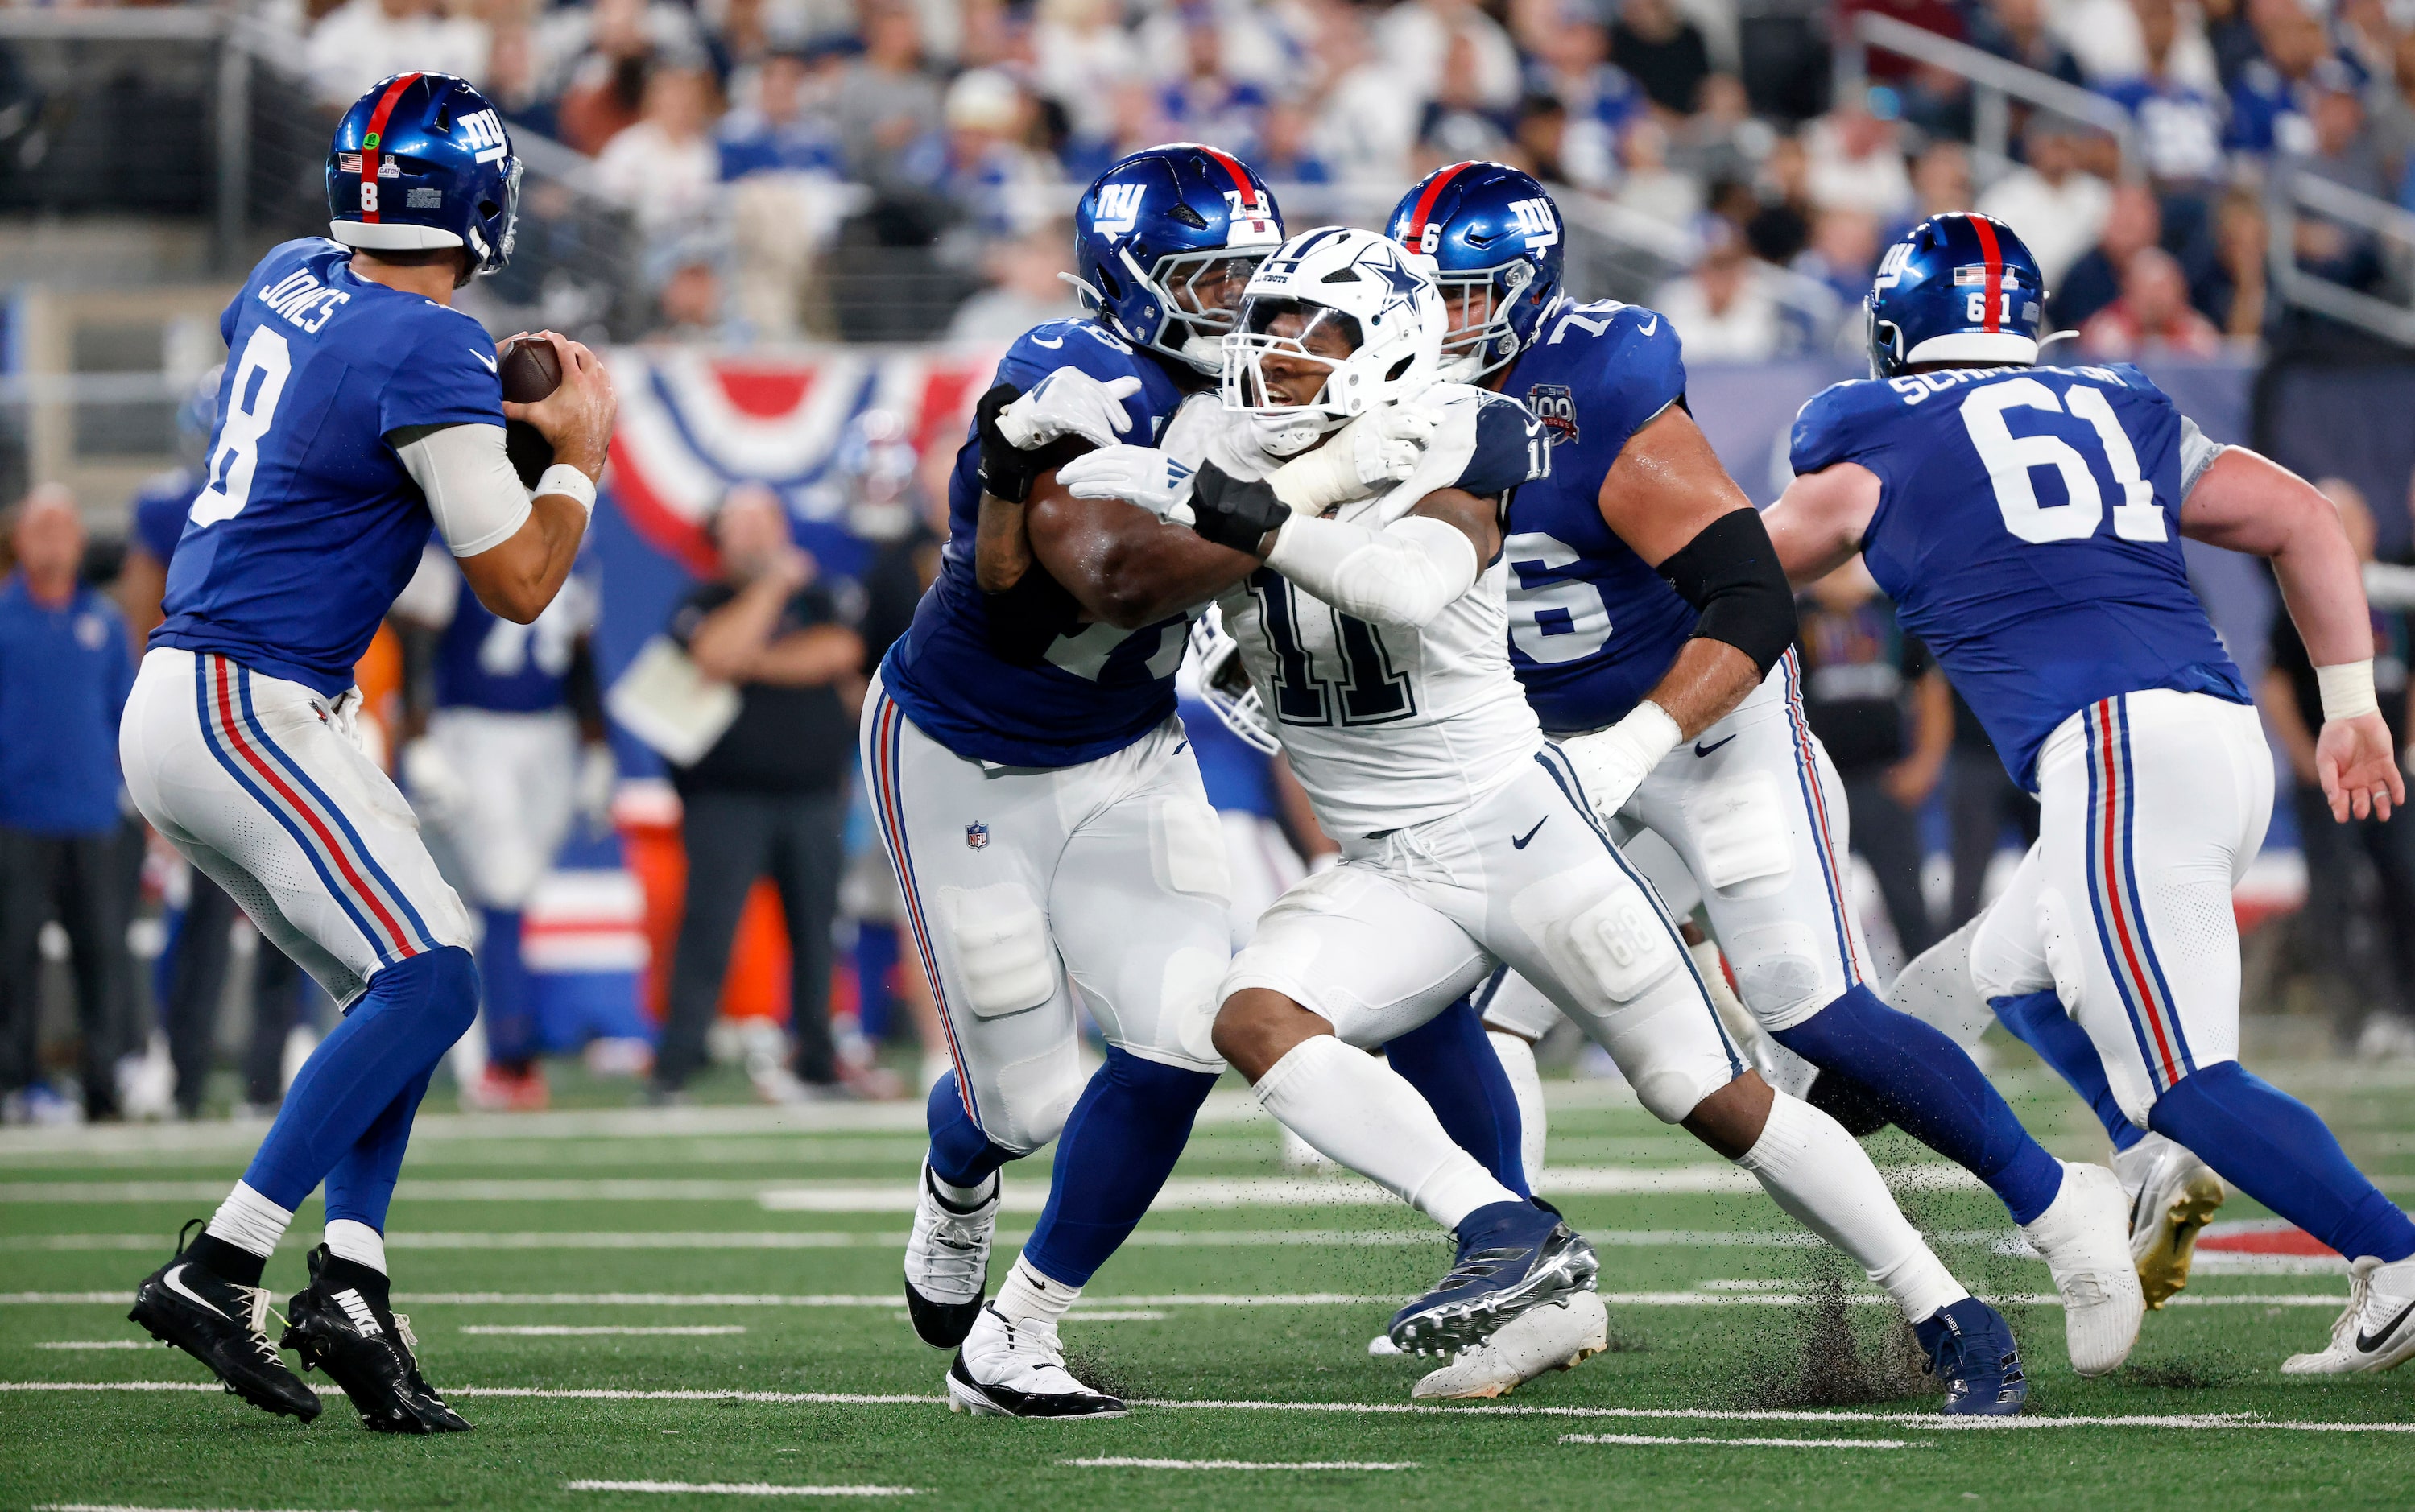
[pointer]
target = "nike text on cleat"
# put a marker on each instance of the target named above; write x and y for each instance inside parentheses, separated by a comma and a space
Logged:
(366, 1350)
(1557, 1336)
(2084, 1236)
(1969, 1349)
(2375, 1331)
(2172, 1194)
(1014, 1368)
(947, 1263)
(1512, 1257)
(225, 1326)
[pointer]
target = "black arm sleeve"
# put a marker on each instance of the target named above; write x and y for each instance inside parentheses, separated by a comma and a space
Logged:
(1731, 573)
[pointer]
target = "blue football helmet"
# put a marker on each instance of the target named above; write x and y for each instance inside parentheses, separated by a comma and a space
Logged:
(1490, 231)
(1959, 288)
(421, 160)
(1164, 242)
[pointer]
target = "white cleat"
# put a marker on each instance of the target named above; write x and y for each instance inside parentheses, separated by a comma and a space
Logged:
(1556, 1337)
(2375, 1330)
(2084, 1237)
(2172, 1194)
(947, 1263)
(1015, 1367)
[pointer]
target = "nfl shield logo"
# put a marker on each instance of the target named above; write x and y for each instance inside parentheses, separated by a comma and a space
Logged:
(977, 836)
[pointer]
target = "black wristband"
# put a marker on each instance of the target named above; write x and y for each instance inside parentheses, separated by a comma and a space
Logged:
(1232, 513)
(1729, 571)
(1023, 621)
(1006, 470)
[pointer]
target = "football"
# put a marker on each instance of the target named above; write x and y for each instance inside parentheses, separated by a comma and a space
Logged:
(529, 371)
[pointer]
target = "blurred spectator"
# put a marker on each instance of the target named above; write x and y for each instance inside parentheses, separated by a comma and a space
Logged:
(2340, 150)
(888, 100)
(2231, 37)
(64, 671)
(1083, 57)
(1204, 104)
(611, 49)
(1024, 288)
(976, 164)
(1842, 255)
(2237, 296)
(1367, 116)
(1722, 140)
(1415, 39)
(2267, 109)
(788, 130)
(687, 277)
(1134, 121)
(2151, 318)
(2107, 37)
(2016, 30)
(1542, 136)
(1940, 182)
(1724, 311)
(2179, 124)
(362, 41)
(2133, 221)
(1286, 151)
(1857, 163)
(1572, 66)
(1456, 124)
(1782, 226)
(2391, 105)
(769, 798)
(2336, 906)
(1885, 725)
(1648, 186)
(2052, 204)
(665, 167)
(1663, 51)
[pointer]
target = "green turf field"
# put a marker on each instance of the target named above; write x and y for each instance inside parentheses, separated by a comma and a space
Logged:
(707, 1299)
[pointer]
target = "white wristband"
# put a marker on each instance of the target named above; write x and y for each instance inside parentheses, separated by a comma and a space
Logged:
(564, 479)
(2347, 690)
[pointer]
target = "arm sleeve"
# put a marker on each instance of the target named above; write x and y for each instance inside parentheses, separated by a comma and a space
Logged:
(2198, 452)
(478, 501)
(433, 592)
(1404, 574)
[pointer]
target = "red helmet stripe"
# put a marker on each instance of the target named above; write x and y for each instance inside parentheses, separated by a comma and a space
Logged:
(1240, 174)
(1426, 202)
(376, 133)
(1995, 256)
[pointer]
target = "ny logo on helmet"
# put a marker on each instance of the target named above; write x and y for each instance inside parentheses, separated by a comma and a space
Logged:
(1890, 266)
(481, 130)
(1536, 222)
(1119, 207)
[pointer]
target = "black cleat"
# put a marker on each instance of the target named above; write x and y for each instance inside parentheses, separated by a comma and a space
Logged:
(347, 1330)
(225, 1326)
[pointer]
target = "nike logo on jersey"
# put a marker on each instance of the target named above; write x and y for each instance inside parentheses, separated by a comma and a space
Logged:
(1651, 325)
(1519, 841)
(2367, 1344)
(1044, 341)
(178, 1287)
(1702, 749)
(484, 358)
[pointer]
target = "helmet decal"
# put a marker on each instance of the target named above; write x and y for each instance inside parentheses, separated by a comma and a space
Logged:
(1957, 288)
(1493, 240)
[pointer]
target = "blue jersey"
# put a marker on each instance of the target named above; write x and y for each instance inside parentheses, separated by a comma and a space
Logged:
(2028, 530)
(1094, 692)
(64, 672)
(484, 660)
(159, 510)
(308, 524)
(1238, 775)
(1592, 628)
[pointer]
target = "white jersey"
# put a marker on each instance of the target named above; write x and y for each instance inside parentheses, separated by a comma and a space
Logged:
(1388, 726)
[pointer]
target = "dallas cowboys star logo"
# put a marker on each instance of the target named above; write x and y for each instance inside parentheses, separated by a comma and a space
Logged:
(1405, 284)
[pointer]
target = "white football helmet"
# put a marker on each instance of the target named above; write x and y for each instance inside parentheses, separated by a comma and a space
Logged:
(1365, 288)
(1225, 688)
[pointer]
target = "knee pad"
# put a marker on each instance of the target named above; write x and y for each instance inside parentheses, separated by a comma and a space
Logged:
(1620, 943)
(1186, 848)
(1671, 1052)
(1187, 1004)
(1744, 832)
(1001, 946)
(1034, 1097)
(1778, 972)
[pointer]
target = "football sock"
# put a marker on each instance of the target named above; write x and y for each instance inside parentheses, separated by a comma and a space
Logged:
(510, 1005)
(241, 1235)
(392, 1037)
(1930, 1089)
(349, 1239)
(962, 1156)
(1448, 1061)
(1517, 1063)
(2272, 1147)
(1817, 1172)
(2038, 1021)
(1353, 1109)
(361, 1186)
(1118, 1146)
(1027, 1293)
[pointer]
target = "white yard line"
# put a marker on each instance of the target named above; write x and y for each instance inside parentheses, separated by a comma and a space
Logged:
(1173, 1299)
(117, 1507)
(99, 1343)
(1745, 1443)
(549, 1330)
(719, 1488)
(1118, 1461)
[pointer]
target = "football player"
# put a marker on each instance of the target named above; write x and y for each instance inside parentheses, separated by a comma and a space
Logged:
(1377, 639)
(1628, 567)
(358, 411)
(2027, 521)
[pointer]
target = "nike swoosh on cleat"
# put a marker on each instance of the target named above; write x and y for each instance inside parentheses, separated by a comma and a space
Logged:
(1702, 749)
(1519, 841)
(484, 358)
(2368, 1343)
(178, 1287)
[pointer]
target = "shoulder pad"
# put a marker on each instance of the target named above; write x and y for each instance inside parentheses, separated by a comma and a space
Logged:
(1824, 427)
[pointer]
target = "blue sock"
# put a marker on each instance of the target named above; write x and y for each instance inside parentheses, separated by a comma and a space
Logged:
(1931, 1089)
(1118, 1148)
(362, 1183)
(511, 1015)
(961, 1154)
(1450, 1062)
(2272, 1147)
(2037, 1020)
(394, 1034)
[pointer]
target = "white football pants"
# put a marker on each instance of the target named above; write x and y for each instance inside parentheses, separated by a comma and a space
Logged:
(520, 777)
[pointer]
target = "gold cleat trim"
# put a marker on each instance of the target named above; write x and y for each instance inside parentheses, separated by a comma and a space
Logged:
(2164, 1266)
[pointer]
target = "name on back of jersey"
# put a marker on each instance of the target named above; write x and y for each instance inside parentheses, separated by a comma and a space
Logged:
(305, 302)
(1915, 387)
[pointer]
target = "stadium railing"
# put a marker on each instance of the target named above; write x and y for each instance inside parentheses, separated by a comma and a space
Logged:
(1995, 84)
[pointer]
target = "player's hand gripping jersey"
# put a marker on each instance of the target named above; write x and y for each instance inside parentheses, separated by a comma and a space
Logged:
(1592, 627)
(2028, 530)
(309, 523)
(1097, 688)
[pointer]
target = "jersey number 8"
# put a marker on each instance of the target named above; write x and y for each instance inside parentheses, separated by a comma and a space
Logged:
(2010, 460)
(251, 407)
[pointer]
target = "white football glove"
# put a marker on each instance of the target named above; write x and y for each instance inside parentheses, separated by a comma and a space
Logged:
(1068, 402)
(1140, 474)
(1366, 456)
(438, 790)
(1610, 764)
